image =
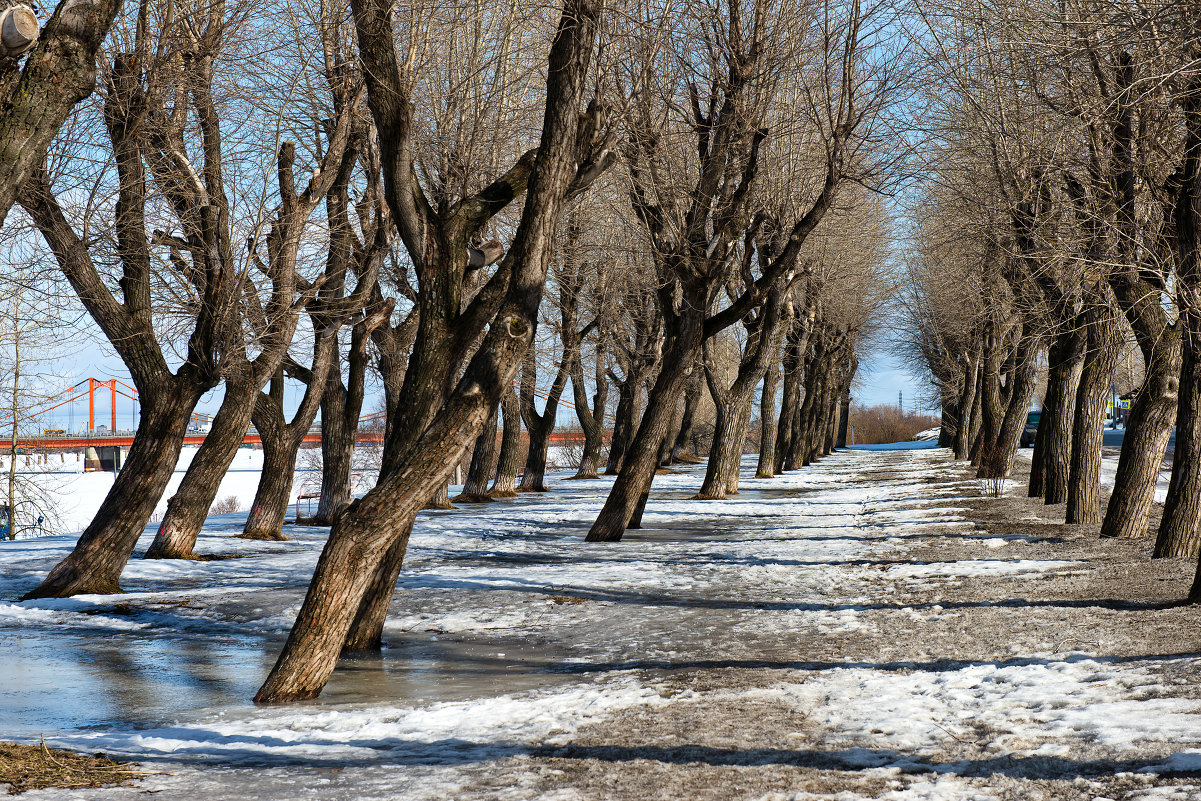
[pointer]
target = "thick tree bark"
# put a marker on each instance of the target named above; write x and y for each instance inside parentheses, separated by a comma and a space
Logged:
(1066, 356)
(592, 420)
(734, 403)
(483, 466)
(625, 422)
(790, 402)
(1148, 429)
(269, 511)
(59, 72)
(967, 405)
(682, 449)
(667, 447)
(1084, 479)
(682, 350)
(95, 564)
(189, 506)
(540, 426)
(282, 439)
(339, 430)
(505, 483)
(1178, 531)
(766, 466)
(1005, 413)
(844, 417)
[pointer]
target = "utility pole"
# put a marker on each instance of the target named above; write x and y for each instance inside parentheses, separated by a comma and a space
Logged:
(901, 400)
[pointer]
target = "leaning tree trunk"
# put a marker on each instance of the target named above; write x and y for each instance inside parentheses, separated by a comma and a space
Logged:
(265, 521)
(625, 423)
(1084, 478)
(682, 449)
(967, 406)
(1178, 534)
(337, 452)
(189, 506)
(505, 484)
(95, 564)
(483, 466)
(1067, 358)
(766, 467)
(362, 539)
(790, 402)
(1147, 432)
(591, 421)
(633, 483)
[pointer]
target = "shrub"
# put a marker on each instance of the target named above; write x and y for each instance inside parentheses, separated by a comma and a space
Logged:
(226, 505)
(880, 424)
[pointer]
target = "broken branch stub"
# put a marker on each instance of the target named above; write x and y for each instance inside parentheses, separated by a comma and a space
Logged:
(18, 31)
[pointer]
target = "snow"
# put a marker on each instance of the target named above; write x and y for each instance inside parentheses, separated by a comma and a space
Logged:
(75, 495)
(510, 638)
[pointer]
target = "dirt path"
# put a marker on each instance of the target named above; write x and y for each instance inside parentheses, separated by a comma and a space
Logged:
(973, 650)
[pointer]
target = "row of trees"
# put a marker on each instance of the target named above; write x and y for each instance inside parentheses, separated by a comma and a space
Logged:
(312, 195)
(1060, 221)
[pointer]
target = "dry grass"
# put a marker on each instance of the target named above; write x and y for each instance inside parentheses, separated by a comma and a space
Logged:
(33, 767)
(878, 424)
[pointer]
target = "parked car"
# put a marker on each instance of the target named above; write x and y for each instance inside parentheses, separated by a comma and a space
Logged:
(1031, 429)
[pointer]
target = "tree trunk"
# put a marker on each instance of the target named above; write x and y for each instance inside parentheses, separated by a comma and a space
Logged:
(95, 564)
(681, 350)
(337, 451)
(1148, 429)
(189, 506)
(725, 457)
(366, 632)
(1084, 479)
(844, 417)
(1003, 433)
(1067, 357)
(790, 402)
(591, 422)
(1038, 458)
(534, 477)
(625, 423)
(504, 486)
(682, 449)
(766, 466)
(1178, 534)
(952, 420)
(967, 406)
(667, 447)
(483, 466)
(540, 426)
(265, 521)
